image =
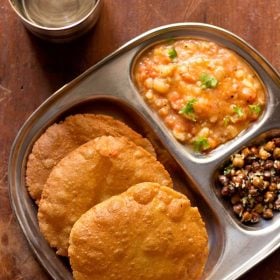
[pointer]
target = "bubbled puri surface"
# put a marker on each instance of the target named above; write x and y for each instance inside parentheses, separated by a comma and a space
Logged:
(147, 232)
(95, 171)
(62, 138)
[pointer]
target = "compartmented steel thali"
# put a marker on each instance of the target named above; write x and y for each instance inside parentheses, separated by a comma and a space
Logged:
(108, 88)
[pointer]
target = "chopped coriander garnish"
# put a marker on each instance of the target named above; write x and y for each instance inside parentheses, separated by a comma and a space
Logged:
(172, 53)
(208, 81)
(188, 109)
(227, 169)
(238, 110)
(200, 144)
(255, 108)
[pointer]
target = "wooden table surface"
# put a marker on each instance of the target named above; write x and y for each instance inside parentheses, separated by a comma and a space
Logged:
(31, 70)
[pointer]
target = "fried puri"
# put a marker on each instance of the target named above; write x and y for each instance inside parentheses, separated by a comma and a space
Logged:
(95, 171)
(147, 232)
(62, 138)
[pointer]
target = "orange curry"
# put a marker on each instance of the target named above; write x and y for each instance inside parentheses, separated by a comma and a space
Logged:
(205, 94)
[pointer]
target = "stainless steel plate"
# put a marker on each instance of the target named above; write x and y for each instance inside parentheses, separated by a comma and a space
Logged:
(108, 88)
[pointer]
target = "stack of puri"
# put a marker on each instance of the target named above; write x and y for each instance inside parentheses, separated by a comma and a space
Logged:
(107, 203)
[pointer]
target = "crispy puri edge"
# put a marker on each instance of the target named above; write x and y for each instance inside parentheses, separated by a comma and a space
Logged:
(43, 226)
(120, 125)
(32, 162)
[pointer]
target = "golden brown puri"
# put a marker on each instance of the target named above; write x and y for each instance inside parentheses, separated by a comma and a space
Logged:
(148, 232)
(95, 171)
(60, 139)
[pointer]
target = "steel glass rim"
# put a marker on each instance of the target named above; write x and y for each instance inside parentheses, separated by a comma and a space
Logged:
(67, 27)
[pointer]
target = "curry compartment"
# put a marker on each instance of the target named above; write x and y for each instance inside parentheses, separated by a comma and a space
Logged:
(205, 93)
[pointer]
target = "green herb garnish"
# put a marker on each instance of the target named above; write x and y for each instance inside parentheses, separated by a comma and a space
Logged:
(228, 169)
(200, 144)
(238, 110)
(255, 108)
(208, 81)
(188, 109)
(172, 53)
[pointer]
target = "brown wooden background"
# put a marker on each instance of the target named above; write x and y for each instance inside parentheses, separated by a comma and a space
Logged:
(31, 70)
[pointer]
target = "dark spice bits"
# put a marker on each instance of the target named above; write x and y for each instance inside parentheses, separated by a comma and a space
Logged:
(251, 181)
